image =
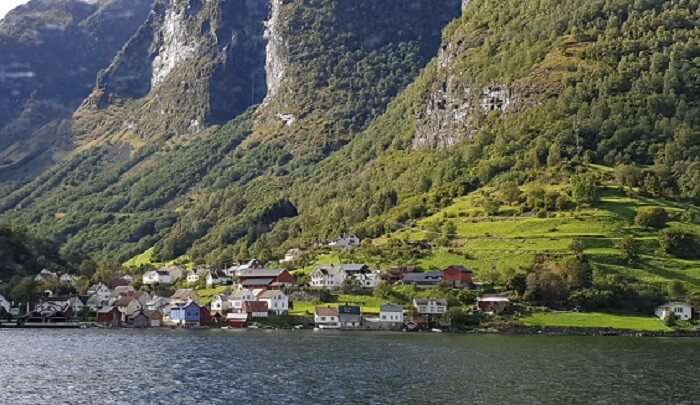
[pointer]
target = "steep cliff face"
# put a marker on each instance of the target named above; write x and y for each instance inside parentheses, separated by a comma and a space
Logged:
(333, 65)
(51, 52)
(149, 153)
(193, 64)
(460, 99)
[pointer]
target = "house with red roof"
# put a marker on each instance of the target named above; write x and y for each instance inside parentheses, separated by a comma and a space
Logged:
(327, 318)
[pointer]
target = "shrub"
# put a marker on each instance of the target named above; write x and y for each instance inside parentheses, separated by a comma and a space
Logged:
(651, 217)
(680, 243)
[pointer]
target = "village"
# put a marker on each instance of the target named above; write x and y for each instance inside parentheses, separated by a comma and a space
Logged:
(251, 295)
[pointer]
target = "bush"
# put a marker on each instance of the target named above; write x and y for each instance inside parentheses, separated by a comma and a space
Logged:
(651, 217)
(680, 243)
(591, 299)
(628, 175)
(631, 248)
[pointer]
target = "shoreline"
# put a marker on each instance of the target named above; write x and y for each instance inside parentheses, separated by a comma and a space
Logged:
(509, 331)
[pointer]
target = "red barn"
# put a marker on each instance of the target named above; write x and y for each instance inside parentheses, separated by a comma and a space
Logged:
(204, 316)
(109, 316)
(267, 279)
(458, 277)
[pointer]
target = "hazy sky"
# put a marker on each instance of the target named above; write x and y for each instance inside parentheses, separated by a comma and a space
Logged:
(7, 5)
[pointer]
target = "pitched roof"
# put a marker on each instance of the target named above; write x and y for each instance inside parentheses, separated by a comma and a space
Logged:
(269, 294)
(257, 282)
(255, 306)
(184, 293)
(352, 267)
(427, 277)
(124, 301)
(459, 268)
(349, 310)
(390, 308)
(238, 294)
(492, 298)
(261, 273)
(425, 301)
(326, 311)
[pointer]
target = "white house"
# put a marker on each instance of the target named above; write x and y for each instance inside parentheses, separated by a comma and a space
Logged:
(291, 255)
(239, 297)
(99, 297)
(128, 306)
(277, 301)
(681, 310)
(326, 318)
(221, 304)
(430, 306)
(5, 304)
(391, 313)
(157, 277)
(345, 242)
(327, 277)
(196, 274)
(242, 268)
(67, 278)
(95, 303)
(330, 277)
(44, 275)
(215, 278)
(100, 290)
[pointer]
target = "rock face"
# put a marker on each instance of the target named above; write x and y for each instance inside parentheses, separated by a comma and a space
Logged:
(453, 109)
(338, 63)
(456, 104)
(78, 39)
(192, 64)
(275, 57)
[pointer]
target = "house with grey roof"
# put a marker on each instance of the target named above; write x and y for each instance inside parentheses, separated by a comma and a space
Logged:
(349, 316)
(423, 280)
(391, 317)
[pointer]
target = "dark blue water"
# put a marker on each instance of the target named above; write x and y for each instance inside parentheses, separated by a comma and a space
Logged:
(258, 367)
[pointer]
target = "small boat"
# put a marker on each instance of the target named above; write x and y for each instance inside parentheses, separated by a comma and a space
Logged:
(436, 330)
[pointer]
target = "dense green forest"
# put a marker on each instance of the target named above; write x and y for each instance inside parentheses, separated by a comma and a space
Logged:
(605, 105)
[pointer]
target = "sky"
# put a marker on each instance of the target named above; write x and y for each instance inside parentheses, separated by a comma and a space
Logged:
(7, 5)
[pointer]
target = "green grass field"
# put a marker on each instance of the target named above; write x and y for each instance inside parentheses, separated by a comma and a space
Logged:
(483, 243)
(207, 294)
(595, 320)
(368, 304)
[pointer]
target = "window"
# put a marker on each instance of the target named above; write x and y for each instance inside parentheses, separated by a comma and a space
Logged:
(323, 318)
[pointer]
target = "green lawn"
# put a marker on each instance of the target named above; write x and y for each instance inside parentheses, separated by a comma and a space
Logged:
(368, 304)
(595, 320)
(482, 243)
(207, 294)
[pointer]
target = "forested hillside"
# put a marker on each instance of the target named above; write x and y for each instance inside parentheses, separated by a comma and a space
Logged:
(551, 113)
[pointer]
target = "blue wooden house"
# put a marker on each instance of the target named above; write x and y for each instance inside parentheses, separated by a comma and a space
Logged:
(187, 314)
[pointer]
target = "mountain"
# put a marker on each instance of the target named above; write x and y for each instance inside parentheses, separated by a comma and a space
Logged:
(148, 137)
(52, 52)
(397, 120)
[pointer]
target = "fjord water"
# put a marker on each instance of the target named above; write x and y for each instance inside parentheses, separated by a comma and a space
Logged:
(259, 367)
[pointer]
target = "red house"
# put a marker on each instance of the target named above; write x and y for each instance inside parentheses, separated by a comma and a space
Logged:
(109, 316)
(458, 277)
(266, 278)
(204, 316)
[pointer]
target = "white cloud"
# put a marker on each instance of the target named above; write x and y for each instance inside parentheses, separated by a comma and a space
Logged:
(7, 5)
